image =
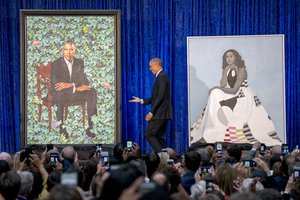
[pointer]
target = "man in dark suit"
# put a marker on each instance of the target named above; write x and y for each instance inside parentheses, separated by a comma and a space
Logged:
(70, 83)
(161, 108)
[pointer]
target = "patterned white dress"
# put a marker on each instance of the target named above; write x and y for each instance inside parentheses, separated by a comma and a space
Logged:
(236, 118)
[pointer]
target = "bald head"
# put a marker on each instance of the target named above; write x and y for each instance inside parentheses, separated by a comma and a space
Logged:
(69, 154)
(7, 157)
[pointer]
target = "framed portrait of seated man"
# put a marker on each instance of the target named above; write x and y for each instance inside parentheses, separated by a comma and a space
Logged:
(236, 89)
(70, 76)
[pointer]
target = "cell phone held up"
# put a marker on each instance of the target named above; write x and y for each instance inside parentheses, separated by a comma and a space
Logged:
(53, 159)
(249, 163)
(128, 145)
(25, 154)
(219, 149)
(98, 149)
(262, 149)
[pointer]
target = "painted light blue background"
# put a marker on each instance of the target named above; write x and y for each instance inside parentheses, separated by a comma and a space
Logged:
(263, 56)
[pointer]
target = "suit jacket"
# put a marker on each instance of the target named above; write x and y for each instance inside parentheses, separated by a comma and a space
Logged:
(160, 100)
(60, 73)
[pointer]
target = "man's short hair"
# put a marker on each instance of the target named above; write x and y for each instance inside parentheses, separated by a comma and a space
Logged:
(26, 182)
(156, 60)
(192, 160)
(10, 184)
(69, 42)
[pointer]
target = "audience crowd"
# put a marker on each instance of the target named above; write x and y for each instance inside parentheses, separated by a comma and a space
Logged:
(203, 173)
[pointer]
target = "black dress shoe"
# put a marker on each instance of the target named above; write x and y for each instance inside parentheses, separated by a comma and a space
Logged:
(89, 133)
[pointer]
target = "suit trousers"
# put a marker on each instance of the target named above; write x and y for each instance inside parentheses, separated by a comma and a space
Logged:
(155, 132)
(90, 96)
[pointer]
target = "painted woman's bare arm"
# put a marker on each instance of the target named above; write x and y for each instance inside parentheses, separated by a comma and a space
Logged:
(242, 74)
(223, 81)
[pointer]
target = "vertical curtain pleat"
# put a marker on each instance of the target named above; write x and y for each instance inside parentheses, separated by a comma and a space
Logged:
(157, 28)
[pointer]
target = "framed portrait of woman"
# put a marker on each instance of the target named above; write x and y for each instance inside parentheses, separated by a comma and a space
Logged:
(71, 80)
(236, 89)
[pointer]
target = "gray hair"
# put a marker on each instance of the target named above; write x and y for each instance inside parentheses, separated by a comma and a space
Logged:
(26, 182)
(156, 60)
(69, 42)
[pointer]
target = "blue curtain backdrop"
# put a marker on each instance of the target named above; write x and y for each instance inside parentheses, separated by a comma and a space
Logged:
(157, 28)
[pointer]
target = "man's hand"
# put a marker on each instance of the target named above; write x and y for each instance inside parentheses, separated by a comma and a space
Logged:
(83, 88)
(149, 116)
(60, 86)
(135, 100)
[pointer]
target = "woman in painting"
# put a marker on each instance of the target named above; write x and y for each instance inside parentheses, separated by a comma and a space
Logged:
(233, 112)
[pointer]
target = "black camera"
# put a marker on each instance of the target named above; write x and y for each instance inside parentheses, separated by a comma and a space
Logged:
(25, 154)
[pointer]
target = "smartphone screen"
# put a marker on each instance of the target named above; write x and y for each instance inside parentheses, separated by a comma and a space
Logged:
(105, 158)
(170, 162)
(285, 149)
(98, 149)
(219, 149)
(262, 149)
(249, 163)
(129, 144)
(69, 179)
(205, 170)
(53, 159)
(296, 172)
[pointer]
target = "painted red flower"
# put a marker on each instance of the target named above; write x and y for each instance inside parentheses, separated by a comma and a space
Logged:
(106, 85)
(36, 43)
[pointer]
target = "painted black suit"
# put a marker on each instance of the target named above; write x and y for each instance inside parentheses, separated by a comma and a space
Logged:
(161, 109)
(60, 73)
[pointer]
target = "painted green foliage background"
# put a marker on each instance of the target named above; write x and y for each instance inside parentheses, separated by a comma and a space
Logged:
(94, 37)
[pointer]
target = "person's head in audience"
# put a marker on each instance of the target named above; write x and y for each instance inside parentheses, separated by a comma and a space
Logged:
(247, 184)
(4, 166)
(65, 192)
(47, 155)
(205, 156)
(53, 179)
(152, 161)
(141, 165)
(68, 153)
(295, 193)
(26, 183)
(224, 178)
(174, 177)
(118, 152)
(37, 186)
(163, 157)
(234, 153)
(161, 181)
(8, 158)
(276, 150)
(269, 194)
(216, 193)
(192, 161)
(10, 184)
(277, 169)
(119, 180)
(89, 170)
(171, 152)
